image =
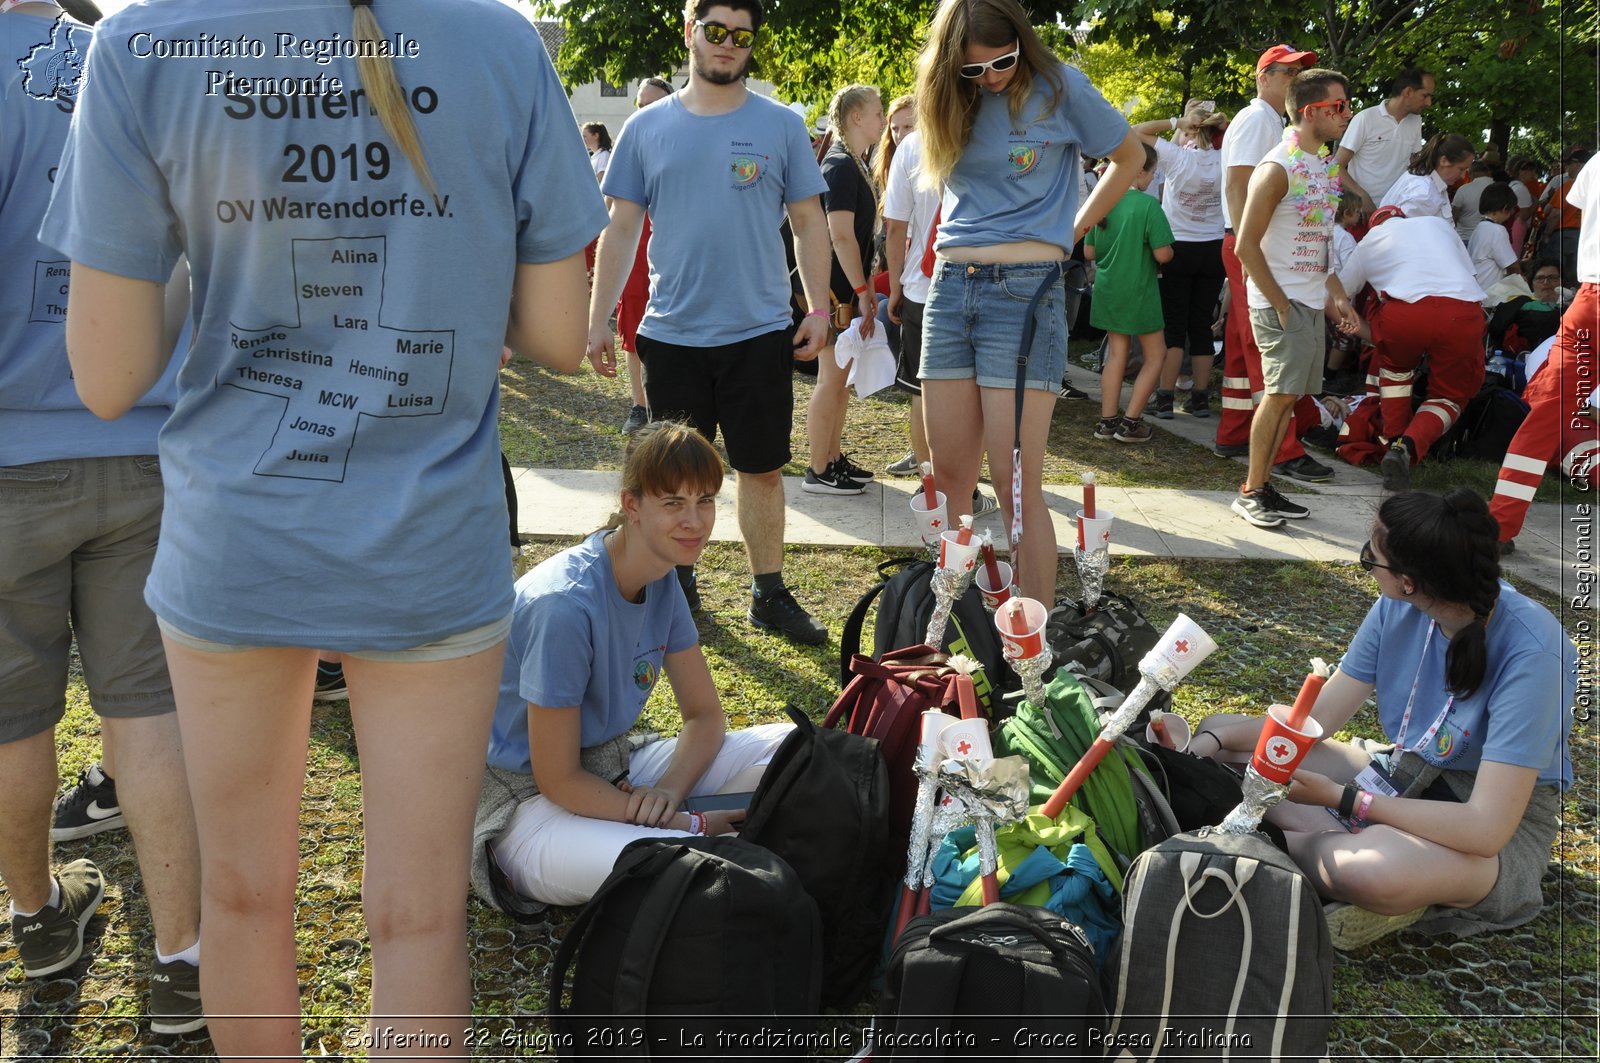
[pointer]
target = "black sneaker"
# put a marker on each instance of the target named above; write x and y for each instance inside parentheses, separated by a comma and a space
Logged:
(1304, 468)
(89, 807)
(51, 939)
(690, 585)
(1133, 430)
(781, 613)
(1252, 506)
(831, 481)
(906, 466)
(175, 998)
(854, 471)
(1069, 392)
(1396, 467)
(983, 505)
(1282, 506)
(1161, 405)
(1198, 404)
(1107, 427)
(330, 683)
(1508, 547)
(638, 417)
(1231, 450)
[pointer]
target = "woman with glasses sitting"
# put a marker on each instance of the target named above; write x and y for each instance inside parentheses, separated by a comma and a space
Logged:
(1451, 819)
(1545, 280)
(1003, 124)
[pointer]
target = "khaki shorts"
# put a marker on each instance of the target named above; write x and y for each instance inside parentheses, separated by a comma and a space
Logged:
(78, 537)
(1292, 358)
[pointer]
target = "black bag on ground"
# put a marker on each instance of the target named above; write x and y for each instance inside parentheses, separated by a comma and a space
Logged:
(823, 806)
(1106, 644)
(688, 938)
(1199, 791)
(904, 610)
(1224, 951)
(999, 982)
(1485, 428)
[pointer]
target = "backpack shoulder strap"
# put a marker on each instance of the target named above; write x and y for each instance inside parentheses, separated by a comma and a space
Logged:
(850, 637)
(637, 964)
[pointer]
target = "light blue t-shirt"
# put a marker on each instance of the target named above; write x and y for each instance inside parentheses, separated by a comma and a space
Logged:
(1020, 182)
(41, 417)
(576, 641)
(1520, 714)
(332, 462)
(715, 187)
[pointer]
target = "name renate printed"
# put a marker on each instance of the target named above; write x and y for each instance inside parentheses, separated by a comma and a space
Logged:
(286, 47)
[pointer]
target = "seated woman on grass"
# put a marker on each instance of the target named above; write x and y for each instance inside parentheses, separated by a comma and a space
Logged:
(592, 629)
(1475, 687)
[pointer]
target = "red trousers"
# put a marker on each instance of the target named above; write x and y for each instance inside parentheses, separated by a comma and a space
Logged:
(1554, 427)
(1450, 332)
(1242, 381)
(635, 293)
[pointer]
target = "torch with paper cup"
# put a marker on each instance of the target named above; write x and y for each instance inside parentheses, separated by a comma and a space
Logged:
(1093, 553)
(1287, 735)
(958, 554)
(993, 577)
(1021, 622)
(1174, 656)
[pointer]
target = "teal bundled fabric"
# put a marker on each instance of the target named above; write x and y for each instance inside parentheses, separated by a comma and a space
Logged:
(1059, 865)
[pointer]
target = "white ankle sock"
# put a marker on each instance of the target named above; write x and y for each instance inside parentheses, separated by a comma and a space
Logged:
(53, 902)
(190, 955)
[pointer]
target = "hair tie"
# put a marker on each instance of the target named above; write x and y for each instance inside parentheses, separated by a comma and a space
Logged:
(360, 3)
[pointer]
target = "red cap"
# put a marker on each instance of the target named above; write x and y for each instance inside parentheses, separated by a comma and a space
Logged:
(1282, 53)
(1383, 214)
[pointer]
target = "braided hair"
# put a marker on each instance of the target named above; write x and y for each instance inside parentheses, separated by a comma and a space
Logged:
(1449, 546)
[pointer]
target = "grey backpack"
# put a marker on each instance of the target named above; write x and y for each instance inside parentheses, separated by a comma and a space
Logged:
(1224, 954)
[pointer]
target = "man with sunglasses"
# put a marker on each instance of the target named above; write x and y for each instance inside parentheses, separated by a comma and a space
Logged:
(716, 167)
(1254, 131)
(1285, 233)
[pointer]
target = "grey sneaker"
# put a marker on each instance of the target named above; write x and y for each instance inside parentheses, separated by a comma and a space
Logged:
(89, 807)
(983, 505)
(781, 613)
(638, 417)
(51, 940)
(906, 466)
(1133, 430)
(1253, 507)
(175, 998)
(1106, 427)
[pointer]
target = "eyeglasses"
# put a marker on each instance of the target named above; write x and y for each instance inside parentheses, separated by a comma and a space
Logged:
(999, 64)
(1275, 69)
(1334, 106)
(1546, 278)
(716, 33)
(1369, 560)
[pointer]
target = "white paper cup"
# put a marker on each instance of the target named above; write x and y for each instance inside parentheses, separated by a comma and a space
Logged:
(966, 740)
(1181, 647)
(952, 554)
(1096, 529)
(933, 723)
(931, 523)
(994, 597)
(1178, 731)
(1030, 641)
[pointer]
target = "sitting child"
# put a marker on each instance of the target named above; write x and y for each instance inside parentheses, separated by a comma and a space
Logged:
(592, 630)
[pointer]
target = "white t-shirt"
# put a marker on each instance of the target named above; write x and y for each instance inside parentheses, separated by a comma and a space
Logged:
(1585, 195)
(599, 161)
(1253, 133)
(1420, 196)
(1490, 251)
(1193, 202)
(904, 199)
(1381, 147)
(1344, 245)
(1411, 259)
(1465, 206)
(1296, 243)
(1524, 197)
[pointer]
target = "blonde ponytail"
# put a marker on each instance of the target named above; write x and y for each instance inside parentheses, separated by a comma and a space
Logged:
(384, 91)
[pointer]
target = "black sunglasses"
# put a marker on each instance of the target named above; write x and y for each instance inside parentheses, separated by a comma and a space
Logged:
(716, 33)
(1369, 560)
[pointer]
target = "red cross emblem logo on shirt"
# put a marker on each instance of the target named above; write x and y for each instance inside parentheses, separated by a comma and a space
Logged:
(964, 747)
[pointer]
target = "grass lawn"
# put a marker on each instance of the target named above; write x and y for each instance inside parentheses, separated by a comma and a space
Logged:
(1529, 993)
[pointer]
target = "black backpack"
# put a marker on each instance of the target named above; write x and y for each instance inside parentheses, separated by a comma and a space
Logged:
(907, 605)
(1107, 644)
(999, 982)
(688, 938)
(823, 806)
(1485, 427)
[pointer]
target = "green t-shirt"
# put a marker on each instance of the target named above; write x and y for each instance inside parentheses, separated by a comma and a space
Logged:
(1126, 297)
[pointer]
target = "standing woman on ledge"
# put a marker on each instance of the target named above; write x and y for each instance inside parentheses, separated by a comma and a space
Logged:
(1003, 125)
(1474, 685)
(331, 460)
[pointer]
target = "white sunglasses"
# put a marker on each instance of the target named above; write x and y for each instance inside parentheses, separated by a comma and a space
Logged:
(998, 64)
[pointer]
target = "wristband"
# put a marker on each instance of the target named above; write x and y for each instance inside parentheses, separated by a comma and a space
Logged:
(1364, 807)
(860, 288)
(697, 823)
(1174, 123)
(818, 313)
(1347, 801)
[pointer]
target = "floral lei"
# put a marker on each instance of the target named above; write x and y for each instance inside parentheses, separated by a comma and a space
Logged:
(1312, 198)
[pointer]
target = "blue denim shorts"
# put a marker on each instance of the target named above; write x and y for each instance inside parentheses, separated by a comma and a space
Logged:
(973, 324)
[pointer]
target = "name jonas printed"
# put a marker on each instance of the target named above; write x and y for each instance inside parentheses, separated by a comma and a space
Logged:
(319, 50)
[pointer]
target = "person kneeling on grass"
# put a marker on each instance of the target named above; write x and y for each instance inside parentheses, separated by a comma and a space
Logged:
(1450, 821)
(1132, 240)
(592, 630)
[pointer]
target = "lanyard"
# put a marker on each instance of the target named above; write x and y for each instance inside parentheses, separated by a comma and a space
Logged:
(1405, 719)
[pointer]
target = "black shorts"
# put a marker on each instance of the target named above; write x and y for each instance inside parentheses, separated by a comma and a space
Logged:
(910, 358)
(746, 388)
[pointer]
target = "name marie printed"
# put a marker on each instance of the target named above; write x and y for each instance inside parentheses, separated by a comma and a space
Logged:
(281, 46)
